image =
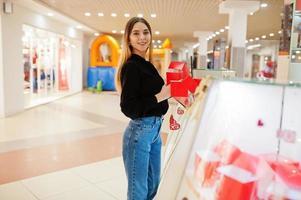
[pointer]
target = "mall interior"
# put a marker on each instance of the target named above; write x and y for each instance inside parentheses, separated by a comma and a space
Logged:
(234, 66)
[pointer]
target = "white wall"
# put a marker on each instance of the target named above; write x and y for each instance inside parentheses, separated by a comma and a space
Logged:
(12, 53)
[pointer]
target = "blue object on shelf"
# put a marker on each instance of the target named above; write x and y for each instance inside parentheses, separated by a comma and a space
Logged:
(104, 74)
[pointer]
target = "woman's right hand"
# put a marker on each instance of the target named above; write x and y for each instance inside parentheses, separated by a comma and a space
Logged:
(164, 93)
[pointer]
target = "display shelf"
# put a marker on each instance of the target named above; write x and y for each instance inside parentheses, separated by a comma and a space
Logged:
(244, 144)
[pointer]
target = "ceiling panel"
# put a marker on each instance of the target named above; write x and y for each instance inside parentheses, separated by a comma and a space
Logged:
(176, 19)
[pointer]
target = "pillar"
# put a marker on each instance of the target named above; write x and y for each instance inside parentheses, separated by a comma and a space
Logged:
(203, 47)
(238, 12)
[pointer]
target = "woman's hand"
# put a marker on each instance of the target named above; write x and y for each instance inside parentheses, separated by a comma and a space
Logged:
(164, 93)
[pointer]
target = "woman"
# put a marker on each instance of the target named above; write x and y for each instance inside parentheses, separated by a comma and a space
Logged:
(144, 100)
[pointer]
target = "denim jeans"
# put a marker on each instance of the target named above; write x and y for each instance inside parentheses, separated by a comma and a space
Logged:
(141, 153)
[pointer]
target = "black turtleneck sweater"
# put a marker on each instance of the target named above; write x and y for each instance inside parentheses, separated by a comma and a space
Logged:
(140, 82)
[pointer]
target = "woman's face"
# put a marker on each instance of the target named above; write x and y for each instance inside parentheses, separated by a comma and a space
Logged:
(140, 38)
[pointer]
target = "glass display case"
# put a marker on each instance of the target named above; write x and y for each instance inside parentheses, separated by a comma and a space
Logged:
(240, 142)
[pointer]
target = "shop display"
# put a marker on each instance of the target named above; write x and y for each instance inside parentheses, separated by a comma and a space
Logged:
(246, 146)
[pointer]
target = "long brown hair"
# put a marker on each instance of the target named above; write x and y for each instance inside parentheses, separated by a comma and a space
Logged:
(127, 49)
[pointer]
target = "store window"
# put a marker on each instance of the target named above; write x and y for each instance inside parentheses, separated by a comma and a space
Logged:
(46, 63)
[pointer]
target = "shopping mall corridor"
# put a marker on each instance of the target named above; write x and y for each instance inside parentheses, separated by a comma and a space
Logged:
(68, 149)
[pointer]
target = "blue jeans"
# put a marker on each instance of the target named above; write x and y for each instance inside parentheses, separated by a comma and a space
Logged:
(141, 153)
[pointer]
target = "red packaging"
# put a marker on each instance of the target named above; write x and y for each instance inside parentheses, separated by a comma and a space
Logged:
(227, 151)
(236, 184)
(206, 163)
(178, 89)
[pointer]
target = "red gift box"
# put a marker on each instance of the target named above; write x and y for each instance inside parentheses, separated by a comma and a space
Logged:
(190, 84)
(173, 76)
(247, 162)
(236, 184)
(227, 151)
(205, 165)
(178, 89)
(177, 66)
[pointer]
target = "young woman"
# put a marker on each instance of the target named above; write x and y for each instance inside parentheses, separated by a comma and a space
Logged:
(144, 100)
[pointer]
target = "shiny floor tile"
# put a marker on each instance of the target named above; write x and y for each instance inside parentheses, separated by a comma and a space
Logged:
(15, 191)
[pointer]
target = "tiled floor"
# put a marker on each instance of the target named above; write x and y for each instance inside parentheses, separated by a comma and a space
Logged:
(66, 150)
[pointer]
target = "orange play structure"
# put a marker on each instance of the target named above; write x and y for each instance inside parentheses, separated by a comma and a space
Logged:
(95, 54)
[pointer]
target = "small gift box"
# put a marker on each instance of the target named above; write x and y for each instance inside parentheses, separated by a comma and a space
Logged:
(205, 165)
(227, 151)
(236, 184)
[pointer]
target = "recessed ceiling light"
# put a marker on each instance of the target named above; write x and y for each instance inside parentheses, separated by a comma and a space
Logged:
(159, 41)
(160, 46)
(264, 5)
(153, 41)
(271, 34)
(140, 15)
(50, 14)
(122, 31)
(79, 27)
(153, 15)
(280, 32)
(114, 31)
(157, 32)
(222, 30)
(226, 27)
(96, 34)
(155, 46)
(87, 14)
(213, 35)
(251, 13)
(246, 41)
(114, 15)
(251, 40)
(217, 33)
(264, 36)
(100, 14)
(127, 15)
(257, 38)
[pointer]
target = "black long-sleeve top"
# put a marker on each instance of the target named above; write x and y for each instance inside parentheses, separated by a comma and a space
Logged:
(140, 83)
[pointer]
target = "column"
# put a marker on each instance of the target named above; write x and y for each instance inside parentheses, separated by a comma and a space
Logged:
(203, 47)
(189, 46)
(238, 12)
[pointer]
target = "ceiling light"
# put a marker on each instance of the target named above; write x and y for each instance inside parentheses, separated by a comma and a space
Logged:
(113, 14)
(114, 31)
(251, 40)
(264, 5)
(213, 35)
(217, 33)
(257, 38)
(140, 15)
(127, 15)
(153, 15)
(159, 41)
(87, 14)
(226, 27)
(298, 52)
(79, 27)
(50, 14)
(96, 34)
(246, 41)
(122, 31)
(271, 34)
(222, 30)
(157, 32)
(207, 39)
(160, 46)
(155, 46)
(264, 36)
(280, 32)
(251, 13)
(153, 41)
(100, 14)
